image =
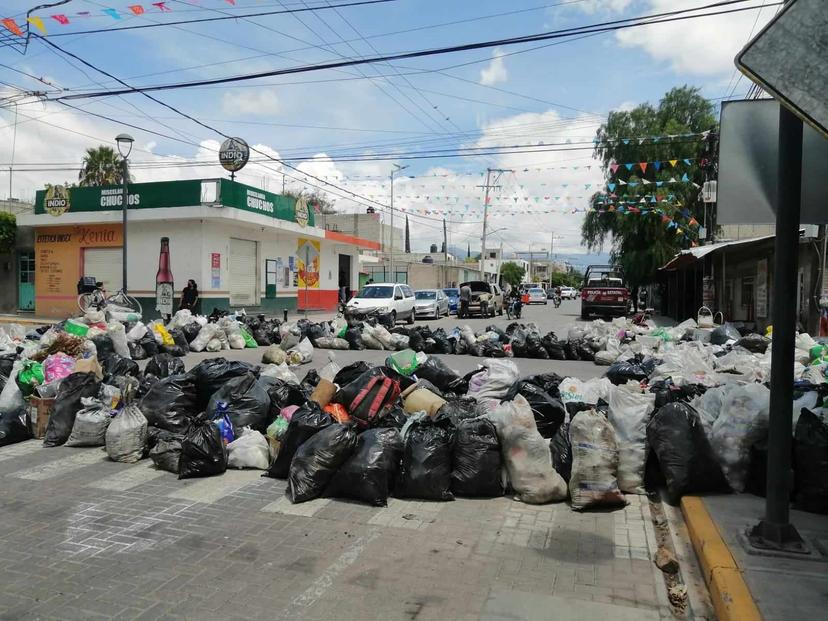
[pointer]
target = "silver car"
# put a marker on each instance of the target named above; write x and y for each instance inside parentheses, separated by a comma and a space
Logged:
(431, 303)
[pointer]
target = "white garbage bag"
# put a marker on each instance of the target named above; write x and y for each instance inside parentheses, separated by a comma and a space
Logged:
(233, 331)
(274, 354)
(290, 336)
(593, 481)
(332, 342)
(137, 332)
(302, 353)
(574, 390)
(117, 333)
(742, 422)
(280, 371)
(11, 399)
(214, 344)
(249, 450)
(180, 319)
(398, 342)
(526, 454)
(369, 339)
(709, 406)
(126, 435)
(495, 379)
(384, 337)
(204, 336)
(629, 411)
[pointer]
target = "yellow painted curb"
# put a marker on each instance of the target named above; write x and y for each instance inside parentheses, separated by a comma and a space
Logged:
(731, 597)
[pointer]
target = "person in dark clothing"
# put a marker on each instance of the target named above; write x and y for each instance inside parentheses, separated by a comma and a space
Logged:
(465, 299)
(189, 297)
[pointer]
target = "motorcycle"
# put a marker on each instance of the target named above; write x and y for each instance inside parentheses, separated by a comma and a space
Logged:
(514, 308)
(556, 301)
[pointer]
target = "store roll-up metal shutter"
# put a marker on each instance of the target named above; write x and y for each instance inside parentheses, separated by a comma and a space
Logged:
(104, 264)
(243, 289)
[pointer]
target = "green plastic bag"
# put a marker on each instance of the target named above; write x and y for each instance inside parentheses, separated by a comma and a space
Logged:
(341, 334)
(662, 334)
(75, 327)
(30, 376)
(249, 341)
(277, 428)
(403, 362)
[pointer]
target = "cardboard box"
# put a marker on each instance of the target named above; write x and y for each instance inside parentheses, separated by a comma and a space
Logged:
(39, 412)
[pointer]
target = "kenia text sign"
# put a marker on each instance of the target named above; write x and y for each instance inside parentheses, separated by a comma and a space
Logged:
(58, 200)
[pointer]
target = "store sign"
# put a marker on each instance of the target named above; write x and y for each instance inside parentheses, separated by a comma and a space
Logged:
(56, 200)
(215, 270)
(254, 200)
(233, 154)
(258, 201)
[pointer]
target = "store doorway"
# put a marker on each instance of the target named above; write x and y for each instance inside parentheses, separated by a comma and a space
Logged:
(344, 277)
(25, 280)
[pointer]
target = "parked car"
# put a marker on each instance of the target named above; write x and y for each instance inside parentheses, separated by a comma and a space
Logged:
(569, 293)
(537, 296)
(605, 292)
(385, 298)
(453, 295)
(431, 303)
(485, 295)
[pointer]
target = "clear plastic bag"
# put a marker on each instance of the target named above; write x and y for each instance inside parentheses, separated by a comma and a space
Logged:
(249, 450)
(593, 481)
(629, 412)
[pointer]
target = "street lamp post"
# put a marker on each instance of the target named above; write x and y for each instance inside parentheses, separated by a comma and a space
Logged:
(397, 168)
(124, 148)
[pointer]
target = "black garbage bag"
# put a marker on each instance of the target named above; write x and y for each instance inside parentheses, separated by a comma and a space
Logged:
(459, 346)
(553, 347)
(416, 341)
(519, 346)
(72, 389)
(13, 427)
(621, 371)
(757, 479)
(116, 365)
(148, 381)
(164, 365)
(511, 328)
(317, 460)
(394, 417)
(247, 401)
(170, 403)
(811, 463)
(494, 349)
(425, 470)
(354, 338)
(549, 411)
(310, 381)
(677, 438)
(136, 351)
(476, 462)
(315, 331)
(203, 453)
(442, 344)
(724, 333)
(166, 451)
(584, 350)
(755, 343)
(457, 410)
(262, 337)
(500, 333)
(282, 394)
(104, 346)
(369, 473)
(180, 340)
(349, 373)
(6, 364)
(308, 420)
(548, 382)
(561, 449)
(213, 373)
(190, 331)
(534, 346)
(438, 373)
(149, 344)
(570, 349)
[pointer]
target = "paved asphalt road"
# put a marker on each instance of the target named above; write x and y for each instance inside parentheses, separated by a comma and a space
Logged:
(85, 538)
(547, 317)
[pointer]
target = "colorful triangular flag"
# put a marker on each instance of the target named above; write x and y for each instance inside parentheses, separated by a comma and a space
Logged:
(684, 177)
(657, 165)
(60, 19)
(613, 167)
(136, 9)
(643, 166)
(673, 163)
(37, 22)
(11, 26)
(628, 166)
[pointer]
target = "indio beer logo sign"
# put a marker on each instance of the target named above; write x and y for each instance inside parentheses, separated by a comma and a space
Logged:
(301, 211)
(56, 201)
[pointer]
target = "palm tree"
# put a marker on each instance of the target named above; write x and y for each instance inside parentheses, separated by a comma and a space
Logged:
(101, 166)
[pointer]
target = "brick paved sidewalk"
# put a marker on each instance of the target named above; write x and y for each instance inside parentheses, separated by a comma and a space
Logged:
(85, 538)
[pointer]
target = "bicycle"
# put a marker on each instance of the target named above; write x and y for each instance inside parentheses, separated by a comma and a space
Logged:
(119, 301)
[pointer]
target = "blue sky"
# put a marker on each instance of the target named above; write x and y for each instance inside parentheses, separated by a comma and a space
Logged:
(503, 96)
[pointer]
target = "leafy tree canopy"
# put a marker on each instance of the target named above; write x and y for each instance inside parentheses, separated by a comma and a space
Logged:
(643, 242)
(512, 273)
(8, 231)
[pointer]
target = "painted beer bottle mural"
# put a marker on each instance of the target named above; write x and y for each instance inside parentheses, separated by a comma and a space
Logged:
(164, 284)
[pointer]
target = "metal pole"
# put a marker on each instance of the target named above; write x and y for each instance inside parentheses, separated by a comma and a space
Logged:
(485, 216)
(125, 181)
(775, 531)
(499, 262)
(391, 256)
(445, 252)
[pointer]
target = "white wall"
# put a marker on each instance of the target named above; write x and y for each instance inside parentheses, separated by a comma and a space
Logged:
(143, 249)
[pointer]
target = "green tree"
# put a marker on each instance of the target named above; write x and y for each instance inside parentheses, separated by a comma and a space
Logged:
(101, 166)
(8, 231)
(512, 273)
(646, 217)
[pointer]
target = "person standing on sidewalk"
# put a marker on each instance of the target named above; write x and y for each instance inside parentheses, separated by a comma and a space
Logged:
(465, 299)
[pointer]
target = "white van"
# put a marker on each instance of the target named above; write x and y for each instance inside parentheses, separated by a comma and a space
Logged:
(396, 299)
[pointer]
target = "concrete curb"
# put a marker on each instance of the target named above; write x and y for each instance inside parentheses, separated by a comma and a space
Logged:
(731, 597)
(26, 321)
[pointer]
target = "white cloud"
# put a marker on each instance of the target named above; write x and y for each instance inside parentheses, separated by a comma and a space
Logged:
(496, 71)
(255, 102)
(703, 46)
(626, 106)
(605, 6)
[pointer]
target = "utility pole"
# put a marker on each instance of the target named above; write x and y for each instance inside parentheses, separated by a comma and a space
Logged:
(445, 252)
(531, 256)
(499, 262)
(488, 187)
(397, 168)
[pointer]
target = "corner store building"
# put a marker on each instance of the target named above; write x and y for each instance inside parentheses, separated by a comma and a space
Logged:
(246, 248)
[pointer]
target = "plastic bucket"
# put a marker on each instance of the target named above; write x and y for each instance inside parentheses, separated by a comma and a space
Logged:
(75, 327)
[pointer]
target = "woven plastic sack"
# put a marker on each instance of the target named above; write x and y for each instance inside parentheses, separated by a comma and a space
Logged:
(629, 413)
(593, 482)
(90, 425)
(126, 435)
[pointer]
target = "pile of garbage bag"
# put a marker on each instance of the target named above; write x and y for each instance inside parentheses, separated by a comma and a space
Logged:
(671, 411)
